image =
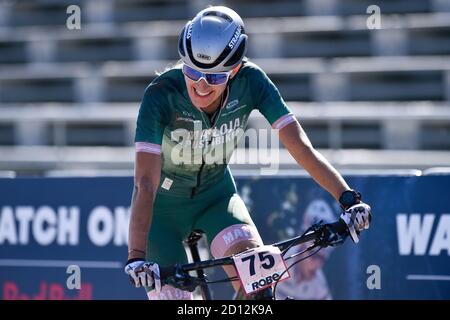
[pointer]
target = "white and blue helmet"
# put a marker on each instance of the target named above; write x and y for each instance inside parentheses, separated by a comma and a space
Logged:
(214, 41)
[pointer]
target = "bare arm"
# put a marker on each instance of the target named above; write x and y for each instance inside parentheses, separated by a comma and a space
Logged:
(146, 181)
(297, 143)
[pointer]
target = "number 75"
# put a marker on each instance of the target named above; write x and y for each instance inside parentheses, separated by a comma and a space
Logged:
(262, 257)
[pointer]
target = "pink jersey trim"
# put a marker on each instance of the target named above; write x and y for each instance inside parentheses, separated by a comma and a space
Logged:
(283, 121)
(148, 147)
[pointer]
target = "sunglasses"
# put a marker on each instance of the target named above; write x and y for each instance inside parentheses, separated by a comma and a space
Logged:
(213, 79)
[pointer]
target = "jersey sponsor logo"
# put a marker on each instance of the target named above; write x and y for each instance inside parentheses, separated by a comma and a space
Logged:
(187, 136)
(167, 183)
(200, 138)
(185, 119)
(232, 104)
(187, 114)
(233, 110)
(184, 116)
(235, 37)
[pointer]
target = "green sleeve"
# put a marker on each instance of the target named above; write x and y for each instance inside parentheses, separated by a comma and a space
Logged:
(153, 116)
(267, 98)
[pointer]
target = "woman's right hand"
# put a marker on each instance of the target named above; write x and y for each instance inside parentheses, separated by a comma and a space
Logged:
(143, 273)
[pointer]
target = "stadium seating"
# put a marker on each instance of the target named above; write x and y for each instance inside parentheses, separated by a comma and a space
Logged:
(66, 91)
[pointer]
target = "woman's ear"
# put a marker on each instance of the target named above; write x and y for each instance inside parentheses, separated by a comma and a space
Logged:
(235, 70)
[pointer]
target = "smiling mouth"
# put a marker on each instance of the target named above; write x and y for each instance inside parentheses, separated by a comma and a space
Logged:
(202, 94)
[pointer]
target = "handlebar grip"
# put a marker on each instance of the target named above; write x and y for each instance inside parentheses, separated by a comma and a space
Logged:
(336, 233)
(175, 276)
(339, 227)
(166, 272)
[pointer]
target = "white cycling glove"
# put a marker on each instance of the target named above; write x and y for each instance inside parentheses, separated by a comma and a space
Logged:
(357, 218)
(143, 273)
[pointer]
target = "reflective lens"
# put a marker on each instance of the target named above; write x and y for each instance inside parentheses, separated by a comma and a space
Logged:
(213, 79)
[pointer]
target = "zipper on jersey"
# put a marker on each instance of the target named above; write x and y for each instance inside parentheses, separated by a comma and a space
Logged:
(199, 178)
(209, 125)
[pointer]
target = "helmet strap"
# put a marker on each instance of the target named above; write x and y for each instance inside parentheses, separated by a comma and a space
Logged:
(235, 70)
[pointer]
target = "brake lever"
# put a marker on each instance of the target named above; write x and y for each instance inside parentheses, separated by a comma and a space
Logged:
(333, 234)
(183, 280)
(330, 234)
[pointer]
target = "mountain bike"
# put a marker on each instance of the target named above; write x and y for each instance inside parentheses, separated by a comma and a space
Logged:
(259, 269)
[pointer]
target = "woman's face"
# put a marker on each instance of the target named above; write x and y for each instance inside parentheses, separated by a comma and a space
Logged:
(203, 96)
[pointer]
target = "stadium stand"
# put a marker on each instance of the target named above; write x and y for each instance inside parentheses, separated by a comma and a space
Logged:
(69, 98)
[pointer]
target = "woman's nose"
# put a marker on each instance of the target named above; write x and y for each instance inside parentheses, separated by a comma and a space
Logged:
(202, 84)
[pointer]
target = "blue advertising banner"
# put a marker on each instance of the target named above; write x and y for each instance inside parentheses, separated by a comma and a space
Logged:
(49, 224)
(404, 254)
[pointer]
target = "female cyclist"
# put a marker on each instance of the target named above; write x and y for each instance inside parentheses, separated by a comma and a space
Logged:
(188, 123)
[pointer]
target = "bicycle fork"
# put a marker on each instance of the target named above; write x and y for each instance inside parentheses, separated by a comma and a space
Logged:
(192, 243)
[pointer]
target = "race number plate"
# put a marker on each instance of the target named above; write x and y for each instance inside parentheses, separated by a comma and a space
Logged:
(260, 268)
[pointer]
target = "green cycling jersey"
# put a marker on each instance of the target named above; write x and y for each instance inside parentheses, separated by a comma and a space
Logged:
(195, 149)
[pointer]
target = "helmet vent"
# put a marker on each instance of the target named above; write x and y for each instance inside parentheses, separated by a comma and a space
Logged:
(218, 14)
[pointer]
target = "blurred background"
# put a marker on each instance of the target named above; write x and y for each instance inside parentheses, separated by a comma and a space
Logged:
(375, 102)
(368, 98)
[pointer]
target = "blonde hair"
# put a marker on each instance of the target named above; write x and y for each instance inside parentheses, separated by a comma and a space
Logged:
(168, 67)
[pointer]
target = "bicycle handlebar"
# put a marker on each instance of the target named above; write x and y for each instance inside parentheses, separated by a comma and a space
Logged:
(323, 235)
